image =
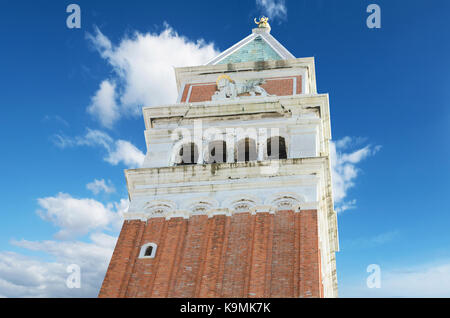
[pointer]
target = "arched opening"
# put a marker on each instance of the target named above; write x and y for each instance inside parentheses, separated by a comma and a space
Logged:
(276, 148)
(246, 150)
(148, 251)
(217, 152)
(188, 154)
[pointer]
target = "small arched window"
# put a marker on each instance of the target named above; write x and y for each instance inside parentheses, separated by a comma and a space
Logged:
(276, 148)
(246, 150)
(148, 250)
(217, 152)
(188, 154)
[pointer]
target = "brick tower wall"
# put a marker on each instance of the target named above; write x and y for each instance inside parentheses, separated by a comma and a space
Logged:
(243, 255)
(200, 92)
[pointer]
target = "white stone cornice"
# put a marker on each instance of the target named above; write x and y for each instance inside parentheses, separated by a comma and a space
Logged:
(178, 214)
(309, 205)
(157, 178)
(296, 106)
(221, 211)
(234, 107)
(185, 214)
(135, 216)
(262, 209)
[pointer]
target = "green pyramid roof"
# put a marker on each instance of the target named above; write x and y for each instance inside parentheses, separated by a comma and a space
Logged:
(256, 50)
(258, 46)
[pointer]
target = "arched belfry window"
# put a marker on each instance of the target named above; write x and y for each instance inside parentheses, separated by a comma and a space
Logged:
(217, 152)
(148, 250)
(276, 148)
(188, 154)
(246, 150)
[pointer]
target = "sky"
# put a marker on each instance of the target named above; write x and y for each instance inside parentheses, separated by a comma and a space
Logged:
(72, 122)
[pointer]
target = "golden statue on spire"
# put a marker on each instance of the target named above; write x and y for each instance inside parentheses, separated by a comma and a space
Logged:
(263, 22)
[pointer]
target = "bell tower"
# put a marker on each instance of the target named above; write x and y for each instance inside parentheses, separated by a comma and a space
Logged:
(234, 198)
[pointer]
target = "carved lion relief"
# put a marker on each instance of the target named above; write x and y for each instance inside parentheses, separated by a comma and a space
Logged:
(229, 89)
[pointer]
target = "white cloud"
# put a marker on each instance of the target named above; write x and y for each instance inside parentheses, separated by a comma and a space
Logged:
(23, 276)
(91, 138)
(120, 207)
(346, 205)
(103, 105)
(26, 276)
(78, 216)
(98, 186)
(273, 8)
(369, 242)
(345, 170)
(127, 153)
(426, 280)
(75, 252)
(117, 151)
(55, 118)
(143, 70)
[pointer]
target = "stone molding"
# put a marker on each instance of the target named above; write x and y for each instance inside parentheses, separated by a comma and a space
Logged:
(211, 207)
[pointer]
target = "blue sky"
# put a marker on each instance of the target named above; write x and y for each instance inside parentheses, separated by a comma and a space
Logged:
(390, 122)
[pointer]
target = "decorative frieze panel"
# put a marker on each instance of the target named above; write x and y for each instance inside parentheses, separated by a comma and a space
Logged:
(228, 88)
(159, 208)
(201, 206)
(210, 206)
(286, 201)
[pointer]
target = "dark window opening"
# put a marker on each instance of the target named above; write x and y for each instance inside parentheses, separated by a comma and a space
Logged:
(148, 251)
(276, 148)
(217, 152)
(188, 154)
(246, 150)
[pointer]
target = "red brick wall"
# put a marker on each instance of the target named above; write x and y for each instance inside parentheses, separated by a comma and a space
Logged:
(273, 86)
(262, 255)
(202, 93)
